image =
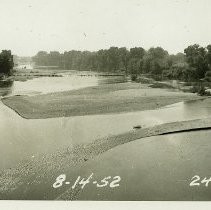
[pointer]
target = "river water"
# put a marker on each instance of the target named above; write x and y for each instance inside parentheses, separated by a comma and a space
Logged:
(22, 139)
(154, 168)
(42, 85)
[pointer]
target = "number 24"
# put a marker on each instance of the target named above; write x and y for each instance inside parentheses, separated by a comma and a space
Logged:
(197, 178)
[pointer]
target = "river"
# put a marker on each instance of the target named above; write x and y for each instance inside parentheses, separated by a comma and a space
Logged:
(22, 139)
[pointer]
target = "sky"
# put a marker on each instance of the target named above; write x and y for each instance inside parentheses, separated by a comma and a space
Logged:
(28, 26)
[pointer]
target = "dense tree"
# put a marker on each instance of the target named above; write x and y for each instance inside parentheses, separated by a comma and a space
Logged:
(124, 58)
(55, 58)
(6, 62)
(208, 56)
(191, 65)
(155, 61)
(41, 59)
(196, 58)
(179, 58)
(137, 52)
(136, 61)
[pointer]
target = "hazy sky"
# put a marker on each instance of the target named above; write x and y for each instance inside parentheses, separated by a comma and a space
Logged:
(27, 26)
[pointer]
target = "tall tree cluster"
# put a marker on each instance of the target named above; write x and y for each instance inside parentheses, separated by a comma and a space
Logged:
(193, 64)
(6, 62)
(136, 60)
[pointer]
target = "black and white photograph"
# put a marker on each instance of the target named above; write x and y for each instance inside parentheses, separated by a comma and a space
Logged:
(105, 100)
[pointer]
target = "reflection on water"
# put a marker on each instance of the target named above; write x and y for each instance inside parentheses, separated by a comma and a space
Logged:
(69, 81)
(6, 84)
(6, 87)
(47, 85)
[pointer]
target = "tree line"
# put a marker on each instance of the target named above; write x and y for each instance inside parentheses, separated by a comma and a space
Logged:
(6, 62)
(193, 64)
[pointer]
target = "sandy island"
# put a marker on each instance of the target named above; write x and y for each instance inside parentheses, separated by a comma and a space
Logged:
(103, 99)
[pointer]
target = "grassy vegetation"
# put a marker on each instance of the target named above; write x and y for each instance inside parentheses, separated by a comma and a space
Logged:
(109, 98)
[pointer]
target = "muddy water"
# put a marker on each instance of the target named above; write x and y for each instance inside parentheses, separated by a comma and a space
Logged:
(44, 85)
(21, 139)
(67, 80)
(154, 168)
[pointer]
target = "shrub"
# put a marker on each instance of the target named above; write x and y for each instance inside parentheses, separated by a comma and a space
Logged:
(201, 91)
(133, 77)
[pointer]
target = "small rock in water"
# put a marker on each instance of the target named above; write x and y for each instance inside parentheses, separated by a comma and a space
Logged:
(137, 127)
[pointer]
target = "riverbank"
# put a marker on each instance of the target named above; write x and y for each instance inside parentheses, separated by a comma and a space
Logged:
(102, 99)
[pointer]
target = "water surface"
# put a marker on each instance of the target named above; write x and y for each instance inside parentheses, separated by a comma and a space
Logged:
(63, 81)
(22, 139)
(44, 85)
(154, 168)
